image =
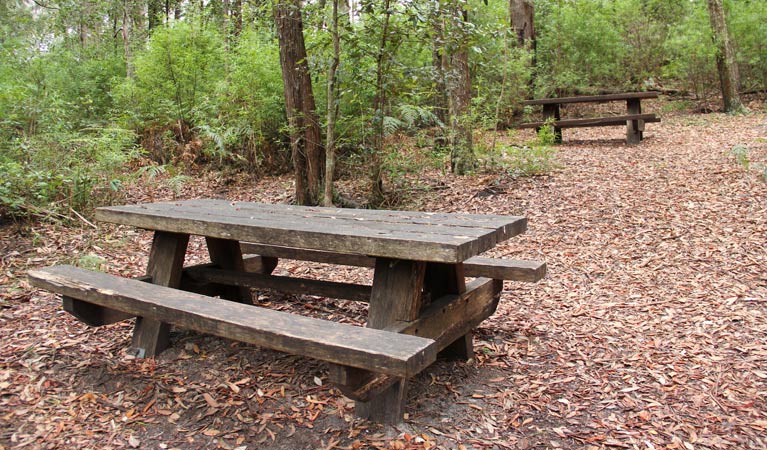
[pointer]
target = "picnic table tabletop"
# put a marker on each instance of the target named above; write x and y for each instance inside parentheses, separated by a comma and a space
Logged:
(593, 98)
(419, 236)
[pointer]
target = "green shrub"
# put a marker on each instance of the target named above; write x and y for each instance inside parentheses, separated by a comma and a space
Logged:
(57, 173)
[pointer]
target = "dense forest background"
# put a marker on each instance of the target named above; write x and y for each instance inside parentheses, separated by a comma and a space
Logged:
(97, 93)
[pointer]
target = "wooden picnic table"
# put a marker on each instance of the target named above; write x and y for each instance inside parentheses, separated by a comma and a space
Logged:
(634, 119)
(419, 302)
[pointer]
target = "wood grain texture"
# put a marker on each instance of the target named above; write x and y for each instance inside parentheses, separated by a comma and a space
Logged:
(166, 261)
(592, 98)
(288, 285)
(634, 127)
(446, 320)
(594, 122)
(477, 266)
(226, 254)
(395, 354)
(400, 235)
(396, 296)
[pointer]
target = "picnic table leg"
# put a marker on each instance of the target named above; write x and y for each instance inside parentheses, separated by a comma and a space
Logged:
(446, 279)
(226, 254)
(634, 128)
(166, 260)
(396, 296)
(551, 111)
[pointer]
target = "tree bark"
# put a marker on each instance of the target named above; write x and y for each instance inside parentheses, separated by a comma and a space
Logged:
(522, 21)
(126, 33)
(332, 110)
(725, 58)
(379, 105)
(462, 158)
(236, 14)
(306, 149)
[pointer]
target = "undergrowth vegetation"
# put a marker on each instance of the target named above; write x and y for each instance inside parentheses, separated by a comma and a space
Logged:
(79, 97)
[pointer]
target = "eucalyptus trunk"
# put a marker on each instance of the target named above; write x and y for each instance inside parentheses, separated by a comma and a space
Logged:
(725, 58)
(305, 144)
(332, 110)
(462, 158)
(379, 105)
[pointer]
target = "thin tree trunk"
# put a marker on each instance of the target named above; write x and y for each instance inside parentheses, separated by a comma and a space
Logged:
(379, 105)
(462, 158)
(236, 13)
(306, 149)
(725, 58)
(126, 32)
(330, 147)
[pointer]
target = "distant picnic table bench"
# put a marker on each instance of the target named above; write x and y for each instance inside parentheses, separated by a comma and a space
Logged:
(634, 120)
(419, 302)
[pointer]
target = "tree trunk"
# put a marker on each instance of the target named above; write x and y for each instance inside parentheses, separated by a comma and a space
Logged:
(306, 149)
(379, 105)
(153, 10)
(725, 58)
(236, 14)
(522, 21)
(332, 112)
(522, 14)
(126, 32)
(440, 102)
(462, 158)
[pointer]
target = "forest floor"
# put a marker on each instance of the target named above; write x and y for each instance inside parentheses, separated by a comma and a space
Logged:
(649, 331)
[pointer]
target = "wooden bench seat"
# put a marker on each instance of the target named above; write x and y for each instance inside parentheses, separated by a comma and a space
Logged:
(594, 122)
(378, 351)
(478, 266)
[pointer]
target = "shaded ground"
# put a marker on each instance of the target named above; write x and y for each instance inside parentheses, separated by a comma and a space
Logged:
(649, 331)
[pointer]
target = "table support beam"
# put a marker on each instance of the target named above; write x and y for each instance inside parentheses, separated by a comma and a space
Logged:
(226, 254)
(396, 297)
(634, 128)
(166, 261)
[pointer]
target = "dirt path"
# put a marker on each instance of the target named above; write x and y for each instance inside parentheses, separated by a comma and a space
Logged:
(649, 332)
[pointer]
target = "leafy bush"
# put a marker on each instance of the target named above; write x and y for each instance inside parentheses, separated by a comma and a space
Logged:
(56, 173)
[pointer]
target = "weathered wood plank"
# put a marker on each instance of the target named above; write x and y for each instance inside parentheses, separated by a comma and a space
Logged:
(166, 260)
(290, 285)
(93, 315)
(396, 297)
(450, 239)
(634, 127)
(366, 348)
(445, 320)
(226, 254)
(592, 98)
(505, 269)
(477, 266)
(594, 122)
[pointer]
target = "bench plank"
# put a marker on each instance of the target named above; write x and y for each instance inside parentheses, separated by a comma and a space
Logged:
(592, 98)
(478, 266)
(370, 349)
(594, 122)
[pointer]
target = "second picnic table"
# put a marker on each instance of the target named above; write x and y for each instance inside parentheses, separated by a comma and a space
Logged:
(634, 119)
(419, 302)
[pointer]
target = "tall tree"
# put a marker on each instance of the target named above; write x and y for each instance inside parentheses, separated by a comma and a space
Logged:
(379, 107)
(305, 139)
(462, 157)
(522, 21)
(725, 58)
(332, 110)
(126, 33)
